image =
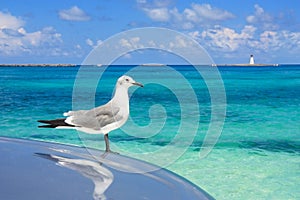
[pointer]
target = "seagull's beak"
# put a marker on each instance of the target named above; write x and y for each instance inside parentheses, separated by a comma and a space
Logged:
(138, 84)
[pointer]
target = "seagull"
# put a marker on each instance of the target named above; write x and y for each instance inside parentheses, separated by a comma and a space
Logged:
(102, 119)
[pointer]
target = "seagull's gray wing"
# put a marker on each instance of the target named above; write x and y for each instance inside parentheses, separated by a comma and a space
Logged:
(95, 118)
(107, 114)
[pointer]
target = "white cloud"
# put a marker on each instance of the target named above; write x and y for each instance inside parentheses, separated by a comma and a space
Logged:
(179, 42)
(195, 16)
(226, 39)
(125, 43)
(77, 46)
(132, 43)
(15, 40)
(93, 44)
(89, 42)
(194, 34)
(262, 33)
(190, 15)
(141, 1)
(73, 14)
(99, 42)
(206, 12)
(153, 3)
(278, 40)
(269, 40)
(259, 12)
(223, 41)
(135, 40)
(262, 19)
(135, 43)
(158, 14)
(10, 21)
(127, 56)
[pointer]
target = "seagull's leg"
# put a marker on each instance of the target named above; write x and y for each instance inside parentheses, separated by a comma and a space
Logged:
(107, 149)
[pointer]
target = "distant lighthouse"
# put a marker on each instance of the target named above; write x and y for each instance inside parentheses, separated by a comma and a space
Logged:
(251, 60)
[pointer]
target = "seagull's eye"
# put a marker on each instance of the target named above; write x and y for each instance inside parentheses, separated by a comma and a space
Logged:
(127, 79)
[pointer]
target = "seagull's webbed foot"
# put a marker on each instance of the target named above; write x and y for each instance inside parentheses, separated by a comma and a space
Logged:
(110, 151)
(107, 152)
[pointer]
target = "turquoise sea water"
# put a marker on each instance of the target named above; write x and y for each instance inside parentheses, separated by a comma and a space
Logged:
(256, 156)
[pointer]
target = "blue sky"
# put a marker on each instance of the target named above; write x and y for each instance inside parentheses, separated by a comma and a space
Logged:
(64, 31)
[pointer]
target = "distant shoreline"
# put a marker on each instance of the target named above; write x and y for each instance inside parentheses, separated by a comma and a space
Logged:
(246, 65)
(38, 65)
(145, 65)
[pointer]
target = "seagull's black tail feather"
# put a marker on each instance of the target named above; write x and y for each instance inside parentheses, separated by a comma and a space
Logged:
(54, 123)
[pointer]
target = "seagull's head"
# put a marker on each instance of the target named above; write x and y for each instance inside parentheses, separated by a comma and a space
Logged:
(127, 81)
